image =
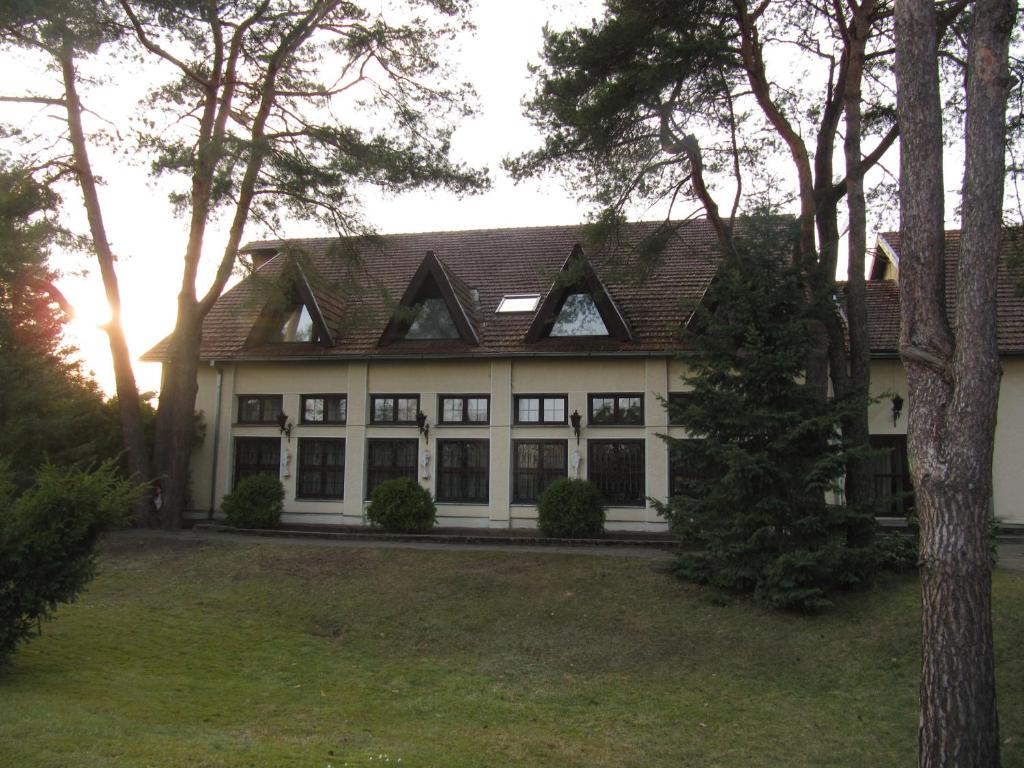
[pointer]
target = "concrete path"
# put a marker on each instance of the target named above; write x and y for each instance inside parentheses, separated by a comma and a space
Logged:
(1011, 552)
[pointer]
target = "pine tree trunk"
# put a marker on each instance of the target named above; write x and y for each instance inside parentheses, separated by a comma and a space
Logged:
(129, 407)
(953, 383)
(176, 415)
(859, 485)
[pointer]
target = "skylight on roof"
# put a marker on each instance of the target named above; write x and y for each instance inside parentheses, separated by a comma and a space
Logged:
(519, 302)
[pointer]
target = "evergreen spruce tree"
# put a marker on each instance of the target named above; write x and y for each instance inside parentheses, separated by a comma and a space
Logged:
(764, 452)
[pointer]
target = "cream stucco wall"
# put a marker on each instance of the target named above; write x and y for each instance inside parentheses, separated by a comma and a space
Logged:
(212, 466)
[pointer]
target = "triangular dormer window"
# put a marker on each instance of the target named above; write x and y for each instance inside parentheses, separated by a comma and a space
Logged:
(298, 325)
(432, 318)
(579, 316)
(436, 306)
(578, 305)
(299, 320)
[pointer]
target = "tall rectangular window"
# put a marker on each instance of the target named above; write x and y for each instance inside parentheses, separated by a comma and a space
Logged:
(464, 409)
(616, 409)
(540, 409)
(682, 474)
(321, 469)
(535, 465)
(890, 472)
(462, 470)
(258, 409)
(394, 409)
(324, 409)
(257, 455)
(616, 467)
(388, 459)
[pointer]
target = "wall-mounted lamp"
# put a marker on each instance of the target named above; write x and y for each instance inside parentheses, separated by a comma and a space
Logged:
(576, 420)
(284, 425)
(421, 422)
(897, 408)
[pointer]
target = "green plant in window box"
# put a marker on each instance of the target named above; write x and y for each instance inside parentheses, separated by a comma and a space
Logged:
(401, 506)
(571, 509)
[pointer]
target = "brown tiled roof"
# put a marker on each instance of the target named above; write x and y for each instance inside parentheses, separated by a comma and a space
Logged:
(356, 287)
(883, 297)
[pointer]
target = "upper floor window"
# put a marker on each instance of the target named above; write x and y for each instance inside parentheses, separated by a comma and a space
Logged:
(298, 325)
(324, 409)
(259, 409)
(677, 401)
(579, 316)
(617, 409)
(540, 409)
(464, 409)
(394, 409)
(432, 321)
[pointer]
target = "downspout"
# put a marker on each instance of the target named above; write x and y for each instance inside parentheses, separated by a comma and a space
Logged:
(216, 439)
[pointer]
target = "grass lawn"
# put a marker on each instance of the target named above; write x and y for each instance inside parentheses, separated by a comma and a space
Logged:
(269, 654)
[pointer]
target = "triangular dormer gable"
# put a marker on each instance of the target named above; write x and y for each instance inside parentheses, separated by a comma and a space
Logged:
(435, 306)
(301, 320)
(578, 304)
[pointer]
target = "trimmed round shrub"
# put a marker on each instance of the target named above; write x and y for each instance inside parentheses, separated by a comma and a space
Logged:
(256, 502)
(571, 509)
(401, 506)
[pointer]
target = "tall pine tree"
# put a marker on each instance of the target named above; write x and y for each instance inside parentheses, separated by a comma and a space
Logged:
(765, 453)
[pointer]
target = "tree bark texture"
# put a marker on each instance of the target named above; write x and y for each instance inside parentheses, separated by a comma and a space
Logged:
(855, 428)
(953, 381)
(127, 391)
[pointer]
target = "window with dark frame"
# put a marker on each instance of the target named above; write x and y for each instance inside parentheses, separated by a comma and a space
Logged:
(464, 409)
(463, 470)
(616, 408)
(616, 467)
(535, 465)
(681, 474)
(394, 409)
(258, 409)
(388, 459)
(321, 469)
(257, 456)
(677, 401)
(324, 409)
(540, 409)
(890, 471)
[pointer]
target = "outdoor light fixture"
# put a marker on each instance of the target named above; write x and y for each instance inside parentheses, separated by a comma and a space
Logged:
(575, 419)
(897, 408)
(284, 425)
(421, 422)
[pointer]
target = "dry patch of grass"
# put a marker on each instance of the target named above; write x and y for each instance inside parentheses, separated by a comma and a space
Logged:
(265, 654)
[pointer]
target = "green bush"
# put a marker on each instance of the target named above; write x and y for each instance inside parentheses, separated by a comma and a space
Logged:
(256, 502)
(571, 509)
(48, 543)
(401, 506)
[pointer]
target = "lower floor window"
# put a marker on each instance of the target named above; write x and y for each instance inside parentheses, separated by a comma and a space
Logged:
(257, 455)
(535, 465)
(616, 467)
(388, 459)
(890, 470)
(321, 469)
(462, 470)
(684, 469)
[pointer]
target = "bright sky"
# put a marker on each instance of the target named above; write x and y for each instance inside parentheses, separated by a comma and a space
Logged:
(150, 240)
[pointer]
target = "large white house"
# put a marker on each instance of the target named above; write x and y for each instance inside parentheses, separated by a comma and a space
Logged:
(486, 363)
